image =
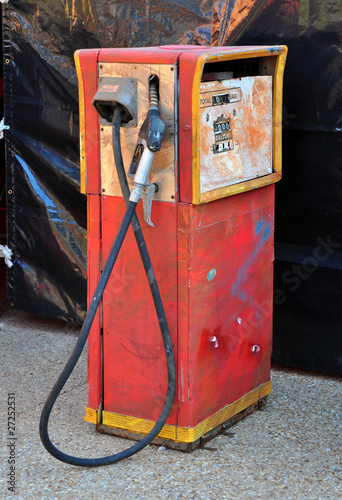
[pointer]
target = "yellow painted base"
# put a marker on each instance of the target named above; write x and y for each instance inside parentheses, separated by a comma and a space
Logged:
(175, 433)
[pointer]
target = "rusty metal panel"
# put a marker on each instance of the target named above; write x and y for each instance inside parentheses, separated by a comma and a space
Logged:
(235, 131)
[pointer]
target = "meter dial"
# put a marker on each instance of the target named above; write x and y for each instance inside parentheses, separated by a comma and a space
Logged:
(223, 135)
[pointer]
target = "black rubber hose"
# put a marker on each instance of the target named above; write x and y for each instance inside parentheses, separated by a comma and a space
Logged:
(44, 420)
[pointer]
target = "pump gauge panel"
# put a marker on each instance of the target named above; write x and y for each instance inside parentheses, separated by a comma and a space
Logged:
(235, 131)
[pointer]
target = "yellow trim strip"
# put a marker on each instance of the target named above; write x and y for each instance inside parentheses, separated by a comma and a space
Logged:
(181, 434)
(278, 111)
(280, 53)
(240, 187)
(81, 123)
(91, 415)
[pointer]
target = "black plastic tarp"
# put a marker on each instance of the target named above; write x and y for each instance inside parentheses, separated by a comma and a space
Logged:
(47, 215)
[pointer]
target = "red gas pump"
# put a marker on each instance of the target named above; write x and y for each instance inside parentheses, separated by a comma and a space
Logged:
(208, 204)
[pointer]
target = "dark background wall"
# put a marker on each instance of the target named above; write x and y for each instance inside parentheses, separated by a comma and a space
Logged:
(46, 215)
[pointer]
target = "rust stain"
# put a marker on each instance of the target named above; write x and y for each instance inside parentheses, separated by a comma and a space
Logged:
(246, 149)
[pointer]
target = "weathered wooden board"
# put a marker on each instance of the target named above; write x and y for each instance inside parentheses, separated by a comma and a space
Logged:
(236, 131)
(183, 445)
(163, 166)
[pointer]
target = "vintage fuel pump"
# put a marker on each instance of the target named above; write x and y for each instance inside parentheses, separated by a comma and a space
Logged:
(198, 131)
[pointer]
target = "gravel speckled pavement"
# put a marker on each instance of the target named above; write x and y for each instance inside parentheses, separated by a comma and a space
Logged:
(290, 450)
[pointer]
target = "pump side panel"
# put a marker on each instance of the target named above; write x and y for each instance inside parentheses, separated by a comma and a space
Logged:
(135, 375)
(230, 305)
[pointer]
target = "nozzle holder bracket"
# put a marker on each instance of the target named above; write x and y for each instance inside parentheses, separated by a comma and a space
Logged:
(117, 90)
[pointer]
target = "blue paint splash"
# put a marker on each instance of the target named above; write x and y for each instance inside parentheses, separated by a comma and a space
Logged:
(266, 233)
(242, 272)
(258, 226)
(211, 274)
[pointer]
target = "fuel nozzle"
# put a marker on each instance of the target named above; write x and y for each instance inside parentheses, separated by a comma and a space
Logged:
(150, 139)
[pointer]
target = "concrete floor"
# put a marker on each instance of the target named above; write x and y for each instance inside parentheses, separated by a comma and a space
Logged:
(290, 450)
